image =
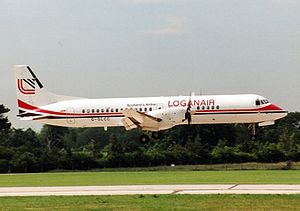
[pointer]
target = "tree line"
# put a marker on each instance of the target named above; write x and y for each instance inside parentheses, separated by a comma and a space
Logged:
(24, 150)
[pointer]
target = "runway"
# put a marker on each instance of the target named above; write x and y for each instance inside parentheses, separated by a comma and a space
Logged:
(150, 189)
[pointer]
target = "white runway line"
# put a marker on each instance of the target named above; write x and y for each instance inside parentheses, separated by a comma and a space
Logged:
(150, 189)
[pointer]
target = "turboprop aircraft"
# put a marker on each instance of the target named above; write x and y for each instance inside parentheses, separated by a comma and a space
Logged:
(152, 114)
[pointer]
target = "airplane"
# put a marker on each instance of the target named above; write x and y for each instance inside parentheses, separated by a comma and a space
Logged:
(151, 114)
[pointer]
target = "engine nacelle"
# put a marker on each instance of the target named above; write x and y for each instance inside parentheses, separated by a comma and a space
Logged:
(170, 116)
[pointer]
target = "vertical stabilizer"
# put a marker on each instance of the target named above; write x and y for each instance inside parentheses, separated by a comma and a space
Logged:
(31, 93)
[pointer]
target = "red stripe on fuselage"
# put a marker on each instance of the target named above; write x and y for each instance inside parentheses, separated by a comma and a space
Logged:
(271, 107)
(23, 105)
(27, 106)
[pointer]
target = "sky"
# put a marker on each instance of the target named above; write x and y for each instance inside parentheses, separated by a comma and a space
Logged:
(132, 48)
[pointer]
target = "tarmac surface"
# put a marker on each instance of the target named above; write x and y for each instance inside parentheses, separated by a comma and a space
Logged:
(150, 189)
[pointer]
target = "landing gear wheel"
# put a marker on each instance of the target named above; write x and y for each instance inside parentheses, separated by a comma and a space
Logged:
(156, 135)
(144, 139)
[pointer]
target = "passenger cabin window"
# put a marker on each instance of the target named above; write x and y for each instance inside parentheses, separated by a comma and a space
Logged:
(93, 110)
(117, 110)
(102, 110)
(83, 111)
(218, 107)
(88, 110)
(107, 110)
(198, 107)
(150, 109)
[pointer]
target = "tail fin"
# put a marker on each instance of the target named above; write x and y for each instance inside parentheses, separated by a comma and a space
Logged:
(31, 92)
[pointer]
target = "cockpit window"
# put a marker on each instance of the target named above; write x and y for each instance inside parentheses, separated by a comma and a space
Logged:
(257, 102)
(261, 102)
(265, 101)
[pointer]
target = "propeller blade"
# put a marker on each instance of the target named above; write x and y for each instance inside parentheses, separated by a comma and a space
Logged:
(189, 118)
(188, 115)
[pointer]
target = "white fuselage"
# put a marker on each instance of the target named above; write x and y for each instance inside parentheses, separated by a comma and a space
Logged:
(209, 109)
(36, 103)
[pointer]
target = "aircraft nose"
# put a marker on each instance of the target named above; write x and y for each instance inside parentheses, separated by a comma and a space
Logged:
(275, 108)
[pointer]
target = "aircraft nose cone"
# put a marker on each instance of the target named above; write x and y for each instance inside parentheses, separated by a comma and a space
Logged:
(282, 112)
(273, 107)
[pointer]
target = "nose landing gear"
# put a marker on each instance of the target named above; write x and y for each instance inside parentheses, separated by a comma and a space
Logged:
(253, 130)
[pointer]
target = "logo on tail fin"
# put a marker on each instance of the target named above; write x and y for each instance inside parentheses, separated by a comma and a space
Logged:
(26, 86)
(35, 78)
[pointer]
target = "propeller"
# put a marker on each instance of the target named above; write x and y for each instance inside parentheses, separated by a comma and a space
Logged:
(188, 113)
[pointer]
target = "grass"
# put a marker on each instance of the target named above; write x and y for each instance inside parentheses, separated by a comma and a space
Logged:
(177, 175)
(154, 202)
(151, 177)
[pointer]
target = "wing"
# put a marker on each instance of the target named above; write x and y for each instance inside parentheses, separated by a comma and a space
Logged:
(134, 119)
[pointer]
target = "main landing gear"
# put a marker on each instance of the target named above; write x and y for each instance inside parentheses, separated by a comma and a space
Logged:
(156, 135)
(144, 139)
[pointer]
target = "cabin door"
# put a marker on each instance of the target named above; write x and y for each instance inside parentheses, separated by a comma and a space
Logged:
(69, 115)
(159, 106)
